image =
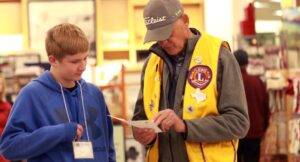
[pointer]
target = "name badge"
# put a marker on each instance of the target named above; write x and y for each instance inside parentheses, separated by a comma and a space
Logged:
(83, 150)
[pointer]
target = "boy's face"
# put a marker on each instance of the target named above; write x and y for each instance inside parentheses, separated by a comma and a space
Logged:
(70, 67)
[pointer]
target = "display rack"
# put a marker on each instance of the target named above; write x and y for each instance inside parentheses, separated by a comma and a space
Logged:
(121, 94)
(17, 73)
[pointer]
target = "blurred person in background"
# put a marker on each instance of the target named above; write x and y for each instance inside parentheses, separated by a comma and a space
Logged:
(257, 100)
(4, 108)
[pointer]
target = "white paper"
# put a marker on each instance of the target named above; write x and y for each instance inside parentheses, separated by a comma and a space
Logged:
(140, 124)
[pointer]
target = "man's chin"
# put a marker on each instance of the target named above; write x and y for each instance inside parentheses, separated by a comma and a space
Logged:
(172, 51)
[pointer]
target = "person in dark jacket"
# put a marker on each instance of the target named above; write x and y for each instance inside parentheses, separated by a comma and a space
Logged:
(59, 117)
(192, 88)
(257, 100)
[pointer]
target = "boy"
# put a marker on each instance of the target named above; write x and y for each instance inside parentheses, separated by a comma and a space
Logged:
(58, 116)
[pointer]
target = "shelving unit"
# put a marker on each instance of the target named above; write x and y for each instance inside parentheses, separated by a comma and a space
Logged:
(119, 27)
(121, 104)
(17, 74)
(290, 38)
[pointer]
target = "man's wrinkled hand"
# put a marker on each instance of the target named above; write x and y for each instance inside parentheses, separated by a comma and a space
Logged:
(168, 119)
(143, 135)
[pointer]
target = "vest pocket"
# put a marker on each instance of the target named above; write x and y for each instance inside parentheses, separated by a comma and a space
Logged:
(222, 151)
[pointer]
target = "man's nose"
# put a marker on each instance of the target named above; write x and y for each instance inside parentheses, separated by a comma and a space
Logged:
(164, 42)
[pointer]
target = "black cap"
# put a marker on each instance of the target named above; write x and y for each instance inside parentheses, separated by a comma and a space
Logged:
(241, 57)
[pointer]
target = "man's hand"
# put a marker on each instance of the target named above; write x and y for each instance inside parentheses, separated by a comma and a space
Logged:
(168, 119)
(79, 132)
(144, 135)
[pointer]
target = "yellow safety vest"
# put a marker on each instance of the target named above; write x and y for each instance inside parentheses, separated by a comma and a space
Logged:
(200, 99)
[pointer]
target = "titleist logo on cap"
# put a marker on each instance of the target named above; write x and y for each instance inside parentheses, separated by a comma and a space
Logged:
(152, 20)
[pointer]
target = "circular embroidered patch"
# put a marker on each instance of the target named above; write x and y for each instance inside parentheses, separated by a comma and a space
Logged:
(200, 76)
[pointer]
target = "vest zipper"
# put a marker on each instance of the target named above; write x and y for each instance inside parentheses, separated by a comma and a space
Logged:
(234, 149)
(148, 153)
(202, 151)
(170, 147)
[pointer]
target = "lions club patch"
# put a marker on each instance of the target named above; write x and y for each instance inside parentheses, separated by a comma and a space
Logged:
(200, 76)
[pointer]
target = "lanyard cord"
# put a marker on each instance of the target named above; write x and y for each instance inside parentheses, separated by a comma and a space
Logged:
(64, 99)
(83, 107)
(84, 114)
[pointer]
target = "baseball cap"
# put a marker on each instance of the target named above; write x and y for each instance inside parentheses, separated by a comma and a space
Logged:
(159, 16)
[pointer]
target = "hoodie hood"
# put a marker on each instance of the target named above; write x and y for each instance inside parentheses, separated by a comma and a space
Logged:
(48, 81)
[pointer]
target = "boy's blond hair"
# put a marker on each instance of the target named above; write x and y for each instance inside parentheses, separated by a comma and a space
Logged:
(65, 39)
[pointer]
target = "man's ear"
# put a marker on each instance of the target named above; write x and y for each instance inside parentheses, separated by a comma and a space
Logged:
(52, 60)
(186, 19)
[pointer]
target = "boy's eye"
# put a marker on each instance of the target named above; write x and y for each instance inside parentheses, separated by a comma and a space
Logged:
(74, 62)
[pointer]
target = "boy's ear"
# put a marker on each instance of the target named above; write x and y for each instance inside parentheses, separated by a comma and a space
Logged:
(52, 60)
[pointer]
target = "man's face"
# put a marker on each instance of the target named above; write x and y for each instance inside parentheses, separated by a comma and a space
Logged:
(71, 67)
(176, 42)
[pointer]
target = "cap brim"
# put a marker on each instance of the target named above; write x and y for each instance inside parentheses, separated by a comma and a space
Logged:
(158, 34)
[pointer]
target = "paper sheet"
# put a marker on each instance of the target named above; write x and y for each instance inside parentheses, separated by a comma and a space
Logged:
(140, 123)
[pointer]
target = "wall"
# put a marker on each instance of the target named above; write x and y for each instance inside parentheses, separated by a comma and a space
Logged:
(10, 27)
(222, 18)
(218, 18)
(10, 18)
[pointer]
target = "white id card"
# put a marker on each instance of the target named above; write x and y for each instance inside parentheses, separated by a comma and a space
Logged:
(83, 150)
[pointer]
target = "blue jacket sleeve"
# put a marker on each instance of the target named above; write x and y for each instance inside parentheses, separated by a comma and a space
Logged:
(23, 138)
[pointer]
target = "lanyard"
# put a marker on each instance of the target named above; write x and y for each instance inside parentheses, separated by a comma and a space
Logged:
(83, 107)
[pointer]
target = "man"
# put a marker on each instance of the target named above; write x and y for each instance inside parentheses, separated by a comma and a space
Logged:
(58, 116)
(192, 88)
(258, 108)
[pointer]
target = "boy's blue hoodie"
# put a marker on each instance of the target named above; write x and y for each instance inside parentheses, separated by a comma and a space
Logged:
(38, 128)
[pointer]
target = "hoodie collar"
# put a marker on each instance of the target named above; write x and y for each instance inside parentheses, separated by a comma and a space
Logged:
(48, 80)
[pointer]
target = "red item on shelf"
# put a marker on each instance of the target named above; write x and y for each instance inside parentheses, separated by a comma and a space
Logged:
(248, 25)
